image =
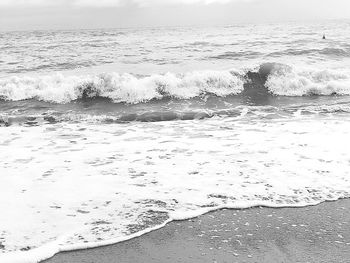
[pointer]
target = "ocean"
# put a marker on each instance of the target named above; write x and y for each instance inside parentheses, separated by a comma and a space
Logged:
(109, 134)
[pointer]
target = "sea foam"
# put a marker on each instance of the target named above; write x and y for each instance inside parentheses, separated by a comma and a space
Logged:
(71, 197)
(120, 87)
(281, 80)
(293, 81)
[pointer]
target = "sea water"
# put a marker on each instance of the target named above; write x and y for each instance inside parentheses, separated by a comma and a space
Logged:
(108, 134)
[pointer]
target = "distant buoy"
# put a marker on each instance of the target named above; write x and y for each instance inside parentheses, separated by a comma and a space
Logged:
(324, 36)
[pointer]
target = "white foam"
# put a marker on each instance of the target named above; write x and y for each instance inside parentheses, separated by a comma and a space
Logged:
(85, 185)
(283, 81)
(303, 81)
(120, 87)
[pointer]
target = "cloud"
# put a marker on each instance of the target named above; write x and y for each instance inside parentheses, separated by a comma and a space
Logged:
(98, 3)
(16, 3)
(179, 2)
(110, 3)
(174, 2)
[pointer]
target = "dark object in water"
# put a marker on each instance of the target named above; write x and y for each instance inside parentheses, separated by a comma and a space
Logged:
(324, 36)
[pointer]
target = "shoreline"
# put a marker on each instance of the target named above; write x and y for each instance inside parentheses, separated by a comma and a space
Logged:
(318, 233)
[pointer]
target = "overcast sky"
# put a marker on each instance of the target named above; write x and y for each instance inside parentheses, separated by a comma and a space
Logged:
(73, 14)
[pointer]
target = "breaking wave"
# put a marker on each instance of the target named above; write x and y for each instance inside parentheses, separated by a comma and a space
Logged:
(121, 87)
(288, 81)
(270, 78)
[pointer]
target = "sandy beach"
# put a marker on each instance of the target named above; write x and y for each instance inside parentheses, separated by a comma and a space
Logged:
(311, 234)
(127, 126)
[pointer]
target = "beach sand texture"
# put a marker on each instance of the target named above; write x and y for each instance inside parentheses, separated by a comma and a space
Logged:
(311, 234)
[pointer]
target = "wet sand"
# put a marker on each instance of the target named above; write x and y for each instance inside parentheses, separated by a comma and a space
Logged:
(311, 234)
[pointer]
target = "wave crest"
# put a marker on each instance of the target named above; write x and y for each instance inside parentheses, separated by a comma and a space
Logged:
(120, 87)
(289, 81)
(270, 79)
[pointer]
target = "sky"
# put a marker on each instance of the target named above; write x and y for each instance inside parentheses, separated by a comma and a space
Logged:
(75, 14)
